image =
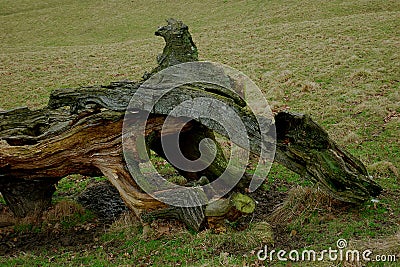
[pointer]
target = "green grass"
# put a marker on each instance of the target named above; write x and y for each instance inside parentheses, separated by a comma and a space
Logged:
(336, 60)
(72, 185)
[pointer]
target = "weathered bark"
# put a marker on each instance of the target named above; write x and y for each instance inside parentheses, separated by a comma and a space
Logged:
(28, 197)
(305, 148)
(193, 217)
(179, 46)
(80, 131)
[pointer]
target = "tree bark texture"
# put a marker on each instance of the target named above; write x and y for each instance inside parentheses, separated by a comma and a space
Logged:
(80, 132)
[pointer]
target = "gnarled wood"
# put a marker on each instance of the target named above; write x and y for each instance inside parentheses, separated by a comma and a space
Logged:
(37, 195)
(230, 208)
(305, 148)
(80, 131)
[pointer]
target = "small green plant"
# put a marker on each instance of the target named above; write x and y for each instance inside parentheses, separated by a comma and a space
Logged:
(2, 200)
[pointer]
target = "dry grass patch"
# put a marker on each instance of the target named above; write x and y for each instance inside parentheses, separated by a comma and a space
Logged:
(65, 213)
(389, 244)
(300, 204)
(62, 210)
(383, 169)
(387, 247)
(127, 224)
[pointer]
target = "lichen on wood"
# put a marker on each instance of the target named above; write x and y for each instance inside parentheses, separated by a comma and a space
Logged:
(80, 132)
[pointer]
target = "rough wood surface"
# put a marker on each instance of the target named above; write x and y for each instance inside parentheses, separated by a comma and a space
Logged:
(230, 209)
(305, 147)
(80, 131)
(179, 46)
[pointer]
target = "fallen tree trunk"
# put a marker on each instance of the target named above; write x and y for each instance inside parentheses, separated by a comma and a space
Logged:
(80, 132)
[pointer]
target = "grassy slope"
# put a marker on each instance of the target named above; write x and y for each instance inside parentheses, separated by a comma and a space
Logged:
(337, 60)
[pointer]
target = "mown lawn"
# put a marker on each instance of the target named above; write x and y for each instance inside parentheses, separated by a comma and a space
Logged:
(336, 60)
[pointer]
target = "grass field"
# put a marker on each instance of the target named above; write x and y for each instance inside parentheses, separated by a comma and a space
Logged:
(336, 60)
